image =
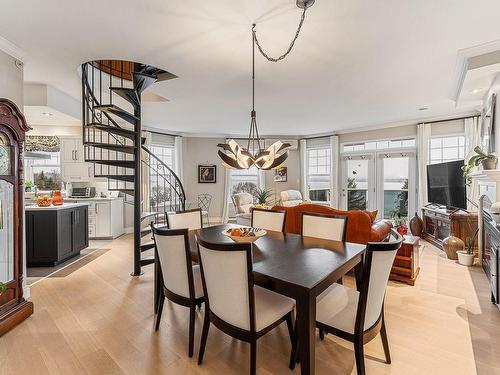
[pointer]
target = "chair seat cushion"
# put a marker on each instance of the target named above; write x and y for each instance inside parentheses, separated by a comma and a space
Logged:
(270, 307)
(198, 286)
(337, 307)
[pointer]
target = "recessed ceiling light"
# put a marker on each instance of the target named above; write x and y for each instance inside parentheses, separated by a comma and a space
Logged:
(48, 114)
(475, 91)
(423, 108)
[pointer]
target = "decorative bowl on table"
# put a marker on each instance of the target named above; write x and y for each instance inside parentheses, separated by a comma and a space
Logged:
(43, 201)
(244, 234)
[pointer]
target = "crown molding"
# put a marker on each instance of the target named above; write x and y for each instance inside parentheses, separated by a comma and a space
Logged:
(12, 49)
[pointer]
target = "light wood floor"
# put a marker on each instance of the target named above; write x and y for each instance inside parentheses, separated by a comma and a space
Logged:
(99, 320)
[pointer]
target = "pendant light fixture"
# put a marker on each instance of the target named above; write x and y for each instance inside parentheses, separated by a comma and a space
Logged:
(235, 156)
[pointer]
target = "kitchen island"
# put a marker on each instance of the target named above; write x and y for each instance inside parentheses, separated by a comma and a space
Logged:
(56, 233)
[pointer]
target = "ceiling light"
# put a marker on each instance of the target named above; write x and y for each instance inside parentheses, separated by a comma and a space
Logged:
(423, 108)
(232, 154)
(476, 91)
(48, 114)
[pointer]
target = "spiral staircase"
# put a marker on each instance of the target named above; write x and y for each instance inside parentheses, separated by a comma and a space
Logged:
(115, 144)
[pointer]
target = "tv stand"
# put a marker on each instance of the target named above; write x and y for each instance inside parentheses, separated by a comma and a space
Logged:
(440, 222)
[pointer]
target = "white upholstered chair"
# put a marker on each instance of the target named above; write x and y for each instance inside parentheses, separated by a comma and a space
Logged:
(325, 226)
(291, 198)
(268, 219)
(180, 281)
(242, 202)
(190, 219)
(358, 315)
(233, 303)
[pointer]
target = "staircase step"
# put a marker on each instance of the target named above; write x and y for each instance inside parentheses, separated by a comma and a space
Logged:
(114, 163)
(117, 111)
(119, 177)
(145, 231)
(112, 147)
(147, 260)
(147, 246)
(148, 214)
(129, 94)
(130, 134)
(142, 81)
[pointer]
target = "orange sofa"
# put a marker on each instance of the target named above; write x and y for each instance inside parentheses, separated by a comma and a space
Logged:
(361, 228)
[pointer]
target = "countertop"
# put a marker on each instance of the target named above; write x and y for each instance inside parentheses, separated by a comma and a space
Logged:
(55, 208)
(91, 199)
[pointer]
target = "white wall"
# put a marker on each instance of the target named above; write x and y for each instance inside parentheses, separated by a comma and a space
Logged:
(11, 79)
(60, 130)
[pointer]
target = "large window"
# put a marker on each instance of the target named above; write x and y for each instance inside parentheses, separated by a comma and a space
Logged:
(43, 169)
(165, 154)
(379, 145)
(449, 148)
(318, 174)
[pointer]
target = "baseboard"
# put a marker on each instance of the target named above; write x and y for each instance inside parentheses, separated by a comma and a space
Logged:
(129, 230)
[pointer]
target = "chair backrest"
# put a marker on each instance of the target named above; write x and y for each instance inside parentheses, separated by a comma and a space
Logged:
(291, 198)
(325, 226)
(228, 282)
(204, 201)
(268, 219)
(242, 202)
(172, 250)
(376, 269)
(190, 219)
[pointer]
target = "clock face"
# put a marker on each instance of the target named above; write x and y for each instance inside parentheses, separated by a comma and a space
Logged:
(5, 160)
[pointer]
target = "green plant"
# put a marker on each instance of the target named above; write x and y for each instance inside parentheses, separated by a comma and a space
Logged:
(475, 160)
(398, 219)
(3, 287)
(262, 195)
(28, 185)
(469, 242)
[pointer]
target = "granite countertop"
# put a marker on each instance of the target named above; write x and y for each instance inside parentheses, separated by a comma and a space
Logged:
(55, 208)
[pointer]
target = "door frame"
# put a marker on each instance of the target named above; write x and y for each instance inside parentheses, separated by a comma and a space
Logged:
(371, 188)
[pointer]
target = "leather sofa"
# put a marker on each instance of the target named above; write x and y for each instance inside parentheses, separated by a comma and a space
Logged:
(361, 226)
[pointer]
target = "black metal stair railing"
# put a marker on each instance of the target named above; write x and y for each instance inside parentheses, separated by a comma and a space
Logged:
(113, 143)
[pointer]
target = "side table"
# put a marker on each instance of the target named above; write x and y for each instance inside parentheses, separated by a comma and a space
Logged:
(406, 264)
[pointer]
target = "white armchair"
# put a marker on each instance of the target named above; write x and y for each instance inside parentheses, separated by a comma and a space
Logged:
(291, 198)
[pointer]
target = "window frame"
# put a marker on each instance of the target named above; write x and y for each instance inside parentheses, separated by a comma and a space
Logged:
(441, 137)
(328, 176)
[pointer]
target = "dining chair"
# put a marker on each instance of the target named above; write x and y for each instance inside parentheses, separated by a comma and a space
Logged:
(358, 315)
(233, 303)
(204, 202)
(180, 281)
(268, 219)
(190, 219)
(325, 226)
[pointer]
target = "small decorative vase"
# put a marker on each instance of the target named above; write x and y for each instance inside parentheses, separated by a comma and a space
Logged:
(489, 164)
(402, 229)
(452, 245)
(57, 199)
(416, 225)
(465, 259)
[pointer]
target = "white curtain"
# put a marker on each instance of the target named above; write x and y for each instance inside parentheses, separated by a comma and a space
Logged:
(227, 194)
(334, 174)
(178, 157)
(303, 168)
(423, 137)
(472, 139)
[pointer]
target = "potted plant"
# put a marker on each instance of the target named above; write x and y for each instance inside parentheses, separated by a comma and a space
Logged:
(466, 257)
(488, 161)
(400, 224)
(3, 287)
(262, 195)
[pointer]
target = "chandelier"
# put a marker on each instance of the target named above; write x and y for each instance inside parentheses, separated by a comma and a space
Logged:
(235, 156)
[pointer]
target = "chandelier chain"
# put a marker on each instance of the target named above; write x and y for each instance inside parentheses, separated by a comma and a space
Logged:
(276, 59)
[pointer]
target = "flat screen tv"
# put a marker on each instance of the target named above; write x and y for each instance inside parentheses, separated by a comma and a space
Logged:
(446, 184)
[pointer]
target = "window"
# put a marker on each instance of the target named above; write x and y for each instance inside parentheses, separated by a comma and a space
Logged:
(318, 174)
(379, 145)
(449, 148)
(43, 169)
(165, 154)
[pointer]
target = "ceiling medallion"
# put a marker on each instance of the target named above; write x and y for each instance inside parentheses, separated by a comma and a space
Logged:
(235, 156)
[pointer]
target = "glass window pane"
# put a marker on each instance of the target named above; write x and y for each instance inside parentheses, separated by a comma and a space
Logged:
(436, 154)
(348, 148)
(450, 141)
(359, 147)
(408, 142)
(356, 199)
(370, 145)
(461, 152)
(396, 172)
(357, 174)
(382, 144)
(395, 144)
(435, 142)
(461, 140)
(450, 153)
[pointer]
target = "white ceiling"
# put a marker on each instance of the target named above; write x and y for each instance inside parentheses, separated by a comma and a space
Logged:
(357, 63)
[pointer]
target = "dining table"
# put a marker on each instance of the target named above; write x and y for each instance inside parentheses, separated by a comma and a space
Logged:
(296, 266)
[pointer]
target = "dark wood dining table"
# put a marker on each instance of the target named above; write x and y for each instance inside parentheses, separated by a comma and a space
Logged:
(296, 266)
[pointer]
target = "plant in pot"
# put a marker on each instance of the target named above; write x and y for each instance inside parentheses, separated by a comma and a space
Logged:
(466, 257)
(400, 224)
(262, 195)
(488, 161)
(3, 287)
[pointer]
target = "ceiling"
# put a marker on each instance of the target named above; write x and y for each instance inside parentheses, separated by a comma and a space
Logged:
(356, 63)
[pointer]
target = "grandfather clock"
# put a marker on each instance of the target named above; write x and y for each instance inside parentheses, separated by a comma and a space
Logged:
(13, 307)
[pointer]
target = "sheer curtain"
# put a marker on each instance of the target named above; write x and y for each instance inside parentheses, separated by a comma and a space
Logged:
(472, 139)
(303, 168)
(334, 174)
(178, 157)
(423, 137)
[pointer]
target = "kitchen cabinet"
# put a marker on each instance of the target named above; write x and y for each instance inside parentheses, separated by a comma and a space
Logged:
(73, 165)
(55, 234)
(72, 150)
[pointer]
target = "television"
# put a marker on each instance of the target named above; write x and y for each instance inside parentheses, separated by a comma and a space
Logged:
(446, 184)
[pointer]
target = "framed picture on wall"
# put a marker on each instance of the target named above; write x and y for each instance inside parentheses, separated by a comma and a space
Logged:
(280, 174)
(207, 174)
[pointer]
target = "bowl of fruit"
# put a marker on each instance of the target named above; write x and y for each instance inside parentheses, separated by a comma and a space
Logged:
(44, 201)
(244, 234)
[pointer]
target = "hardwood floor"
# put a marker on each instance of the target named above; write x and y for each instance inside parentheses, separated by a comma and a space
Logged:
(99, 320)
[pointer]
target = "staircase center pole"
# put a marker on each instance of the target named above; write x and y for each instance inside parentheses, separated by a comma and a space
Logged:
(137, 190)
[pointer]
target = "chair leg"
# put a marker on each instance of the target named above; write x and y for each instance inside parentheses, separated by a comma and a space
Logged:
(360, 355)
(385, 342)
(321, 334)
(160, 310)
(204, 336)
(293, 339)
(192, 312)
(253, 357)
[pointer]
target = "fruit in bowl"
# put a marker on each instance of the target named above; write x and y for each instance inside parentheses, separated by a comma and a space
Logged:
(244, 234)
(44, 201)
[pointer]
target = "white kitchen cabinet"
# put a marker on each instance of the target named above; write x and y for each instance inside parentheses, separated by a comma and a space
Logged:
(71, 172)
(73, 166)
